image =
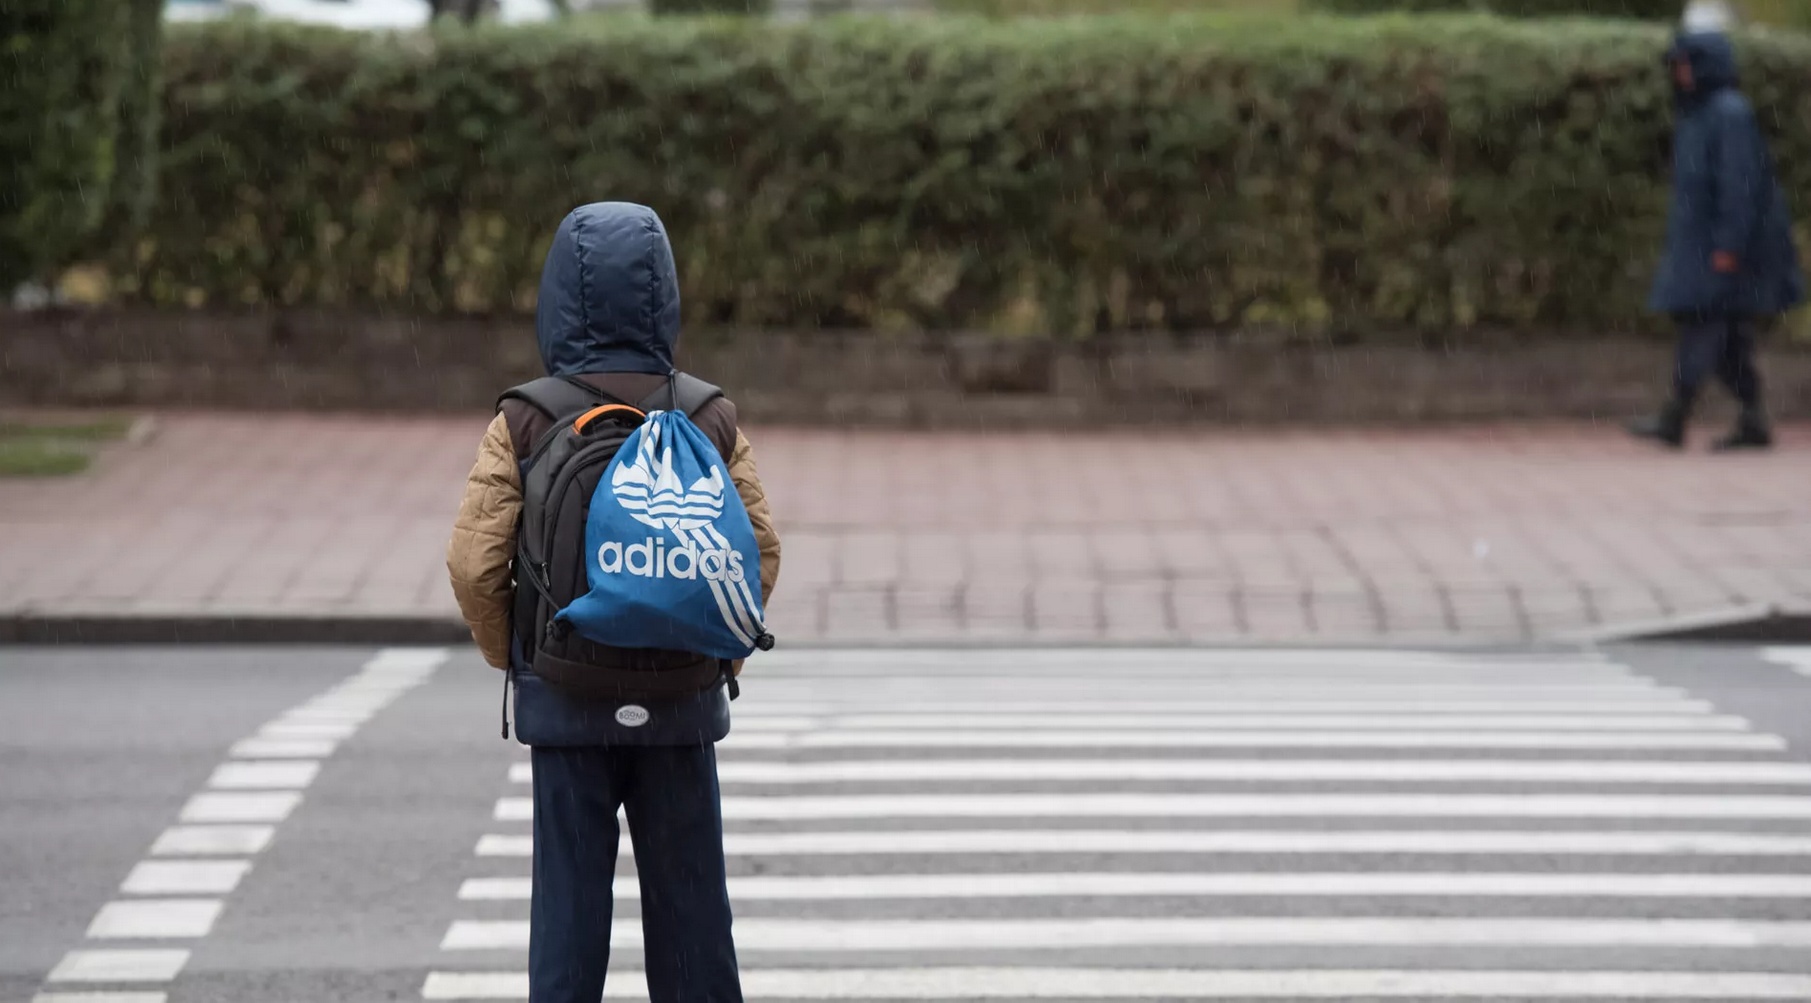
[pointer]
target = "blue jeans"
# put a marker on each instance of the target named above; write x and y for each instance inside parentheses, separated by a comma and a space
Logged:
(672, 800)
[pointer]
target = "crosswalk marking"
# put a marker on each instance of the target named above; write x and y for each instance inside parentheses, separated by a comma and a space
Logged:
(1647, 843)
(1087, 661)
(1799, 658)
(343, 713)
(1303, 739)
(134, 965)
(185, 877)
(1266, 771)
(333, 730)
(100, 998)
(212, 840)
(1272, 722)
(283, 748)
(1179, 983)
(989, 690)
(1171, 805)
(1264, 806)
(172, 895)
(1146, 983)
(1607, 771)
(1419, 884)
(1545, 810)
(502, 935)
(255, 775)
(1509, 702)
(138, 919)
(866, 935)
(501, 985)
(1376, 719)
(240, 807)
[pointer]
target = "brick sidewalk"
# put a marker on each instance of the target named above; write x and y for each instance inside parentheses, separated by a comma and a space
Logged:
(1473, 535)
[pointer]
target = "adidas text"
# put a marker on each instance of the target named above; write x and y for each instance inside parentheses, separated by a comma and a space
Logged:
(652, 558)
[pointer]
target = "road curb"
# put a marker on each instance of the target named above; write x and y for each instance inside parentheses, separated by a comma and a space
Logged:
(1777, 626)
(225, 629)
(1759, 624)
(111, 629)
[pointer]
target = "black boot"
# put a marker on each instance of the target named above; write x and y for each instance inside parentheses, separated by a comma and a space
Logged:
(1667, 427)
(1751, 432)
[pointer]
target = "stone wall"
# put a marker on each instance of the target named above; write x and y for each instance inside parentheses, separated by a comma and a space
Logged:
(328, 361)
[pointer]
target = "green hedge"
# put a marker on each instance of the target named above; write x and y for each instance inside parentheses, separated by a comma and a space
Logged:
(62, 66)
(1656, 10)
(1779, 13)
(1066, 175)
(140, 115)
(1061, 8)
(709, 6)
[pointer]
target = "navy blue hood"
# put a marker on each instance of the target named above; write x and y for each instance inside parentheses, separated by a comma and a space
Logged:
(609, 299)
(1712, 57)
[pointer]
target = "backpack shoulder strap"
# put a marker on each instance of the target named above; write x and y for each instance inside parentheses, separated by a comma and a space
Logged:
(691, 392)
(557, 396)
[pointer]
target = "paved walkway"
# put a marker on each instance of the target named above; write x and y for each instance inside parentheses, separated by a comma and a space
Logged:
(1473, 535)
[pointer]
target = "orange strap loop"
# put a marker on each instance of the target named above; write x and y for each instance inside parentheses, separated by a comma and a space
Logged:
(598, 412)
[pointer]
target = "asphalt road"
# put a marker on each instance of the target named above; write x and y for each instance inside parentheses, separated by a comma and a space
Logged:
(345, 824)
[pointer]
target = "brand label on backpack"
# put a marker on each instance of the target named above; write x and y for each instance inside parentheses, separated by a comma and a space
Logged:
(671, 559)
(632, 716)
(652, 558)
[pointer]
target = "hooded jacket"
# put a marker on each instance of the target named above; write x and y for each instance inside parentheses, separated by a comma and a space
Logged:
(1725, 198)
(609, 314)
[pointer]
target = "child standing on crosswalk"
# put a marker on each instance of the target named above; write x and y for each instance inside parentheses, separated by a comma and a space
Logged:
(618, 725)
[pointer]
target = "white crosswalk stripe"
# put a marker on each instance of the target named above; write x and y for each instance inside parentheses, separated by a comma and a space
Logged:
(1264, 884)
(1132, 984)
(1302, 738)
(1799, 658)
(1047, 825)
(1424, 842)
(1169, 805)
(174, 897)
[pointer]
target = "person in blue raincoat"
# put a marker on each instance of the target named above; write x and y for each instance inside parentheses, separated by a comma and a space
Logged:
(1729, 261)
(608, 317)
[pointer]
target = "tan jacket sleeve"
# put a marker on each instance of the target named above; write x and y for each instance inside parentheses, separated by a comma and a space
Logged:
(484, 542)
(760, 515)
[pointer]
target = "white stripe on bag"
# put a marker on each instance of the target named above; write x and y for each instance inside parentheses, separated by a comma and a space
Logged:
(749, 602)
(727, 603)
(711, 539)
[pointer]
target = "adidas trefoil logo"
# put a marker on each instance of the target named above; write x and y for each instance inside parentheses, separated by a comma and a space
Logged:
(649, 490)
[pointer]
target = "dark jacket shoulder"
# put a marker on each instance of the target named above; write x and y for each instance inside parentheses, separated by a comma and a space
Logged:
(717, 420)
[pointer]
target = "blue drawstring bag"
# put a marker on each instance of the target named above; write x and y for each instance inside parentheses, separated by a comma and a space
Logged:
(671, 558)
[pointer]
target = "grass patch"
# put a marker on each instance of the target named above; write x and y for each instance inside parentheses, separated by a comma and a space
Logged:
(40, 458)
(55, 449)
(108, 429)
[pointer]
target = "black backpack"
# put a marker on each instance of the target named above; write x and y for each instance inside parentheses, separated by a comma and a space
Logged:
(559, 476)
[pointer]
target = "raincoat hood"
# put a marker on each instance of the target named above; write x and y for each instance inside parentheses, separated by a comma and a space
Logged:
(609, 300)
(1712, 57)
